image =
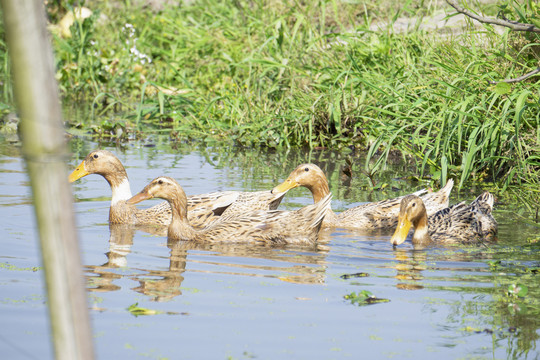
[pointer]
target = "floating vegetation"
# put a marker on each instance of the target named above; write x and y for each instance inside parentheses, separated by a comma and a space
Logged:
(534, 240)
(12, 267)
(137, 310)
(517, 290)
(356, 275)
(364, 297)
(502, 331)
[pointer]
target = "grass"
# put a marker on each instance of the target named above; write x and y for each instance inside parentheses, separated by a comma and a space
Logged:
(312, 74)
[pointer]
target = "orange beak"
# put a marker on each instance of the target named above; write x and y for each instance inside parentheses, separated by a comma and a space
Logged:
(285, 186)
(402, 230)
(78, 173)
(143, 195)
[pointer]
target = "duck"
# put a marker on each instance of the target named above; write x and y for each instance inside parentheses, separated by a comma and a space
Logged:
(380, 215)
(204, 208)
(269, 227)
(459, 224)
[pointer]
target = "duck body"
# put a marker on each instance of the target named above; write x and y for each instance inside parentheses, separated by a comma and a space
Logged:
(380, 215)
(205, 208)
(272, 227)
(459, 224)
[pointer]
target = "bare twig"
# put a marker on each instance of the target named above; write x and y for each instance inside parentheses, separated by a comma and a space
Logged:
(514, 25)
(521, 78)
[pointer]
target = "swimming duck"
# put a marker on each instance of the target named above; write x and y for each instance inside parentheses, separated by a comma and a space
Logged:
(204, 208)
(459, 224)
(266, 227)
(380, 215)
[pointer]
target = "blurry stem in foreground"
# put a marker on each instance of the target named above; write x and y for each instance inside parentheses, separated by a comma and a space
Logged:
(44, 148)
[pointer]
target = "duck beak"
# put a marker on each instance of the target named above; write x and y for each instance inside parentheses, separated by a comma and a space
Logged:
(143, 195)
(285, 186)
(402, 230)
(78, 173)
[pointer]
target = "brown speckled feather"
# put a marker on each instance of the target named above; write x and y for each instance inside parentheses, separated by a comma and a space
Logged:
(267, 227)
(459, 224)
(252, 201)
(380, 215)
(463, 223)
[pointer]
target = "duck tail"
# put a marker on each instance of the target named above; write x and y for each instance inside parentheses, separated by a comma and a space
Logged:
(447, 189)
(485, 199)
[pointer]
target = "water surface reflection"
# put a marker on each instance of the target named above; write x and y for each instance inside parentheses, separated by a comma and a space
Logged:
(295, 264)
(245, 301)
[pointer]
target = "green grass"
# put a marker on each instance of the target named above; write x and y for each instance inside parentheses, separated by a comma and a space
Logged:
(288, 73)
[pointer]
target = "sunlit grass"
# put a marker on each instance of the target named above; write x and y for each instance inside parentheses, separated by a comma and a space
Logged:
(314, 74)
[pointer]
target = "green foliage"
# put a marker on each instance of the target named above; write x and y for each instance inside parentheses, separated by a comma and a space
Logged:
(6, 93)
(315, 74)
(87, 66)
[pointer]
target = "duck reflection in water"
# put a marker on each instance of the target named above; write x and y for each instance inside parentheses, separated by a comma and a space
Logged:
(296, 264)
(100, 277)
(409, 266)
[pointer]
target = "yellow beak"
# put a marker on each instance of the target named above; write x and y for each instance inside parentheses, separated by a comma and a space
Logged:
(402, 230)
(285, 186)
(78, 173)
(143, 195)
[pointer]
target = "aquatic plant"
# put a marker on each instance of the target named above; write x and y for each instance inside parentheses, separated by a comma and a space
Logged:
(364, 297)
(137, 310)
(517, 290)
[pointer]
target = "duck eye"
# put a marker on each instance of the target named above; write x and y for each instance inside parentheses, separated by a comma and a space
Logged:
(413, 204)
(160, 182)
(96, 156)
(306, 169)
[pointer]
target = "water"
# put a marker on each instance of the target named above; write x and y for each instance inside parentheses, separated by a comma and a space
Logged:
(240, 301)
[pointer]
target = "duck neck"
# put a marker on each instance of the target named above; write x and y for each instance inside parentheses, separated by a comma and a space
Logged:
(421, 235)
(179, 229)
(120, 192)
(119, 184)
(319, 189)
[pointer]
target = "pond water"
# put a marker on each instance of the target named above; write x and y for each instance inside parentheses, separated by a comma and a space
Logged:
(245, 302)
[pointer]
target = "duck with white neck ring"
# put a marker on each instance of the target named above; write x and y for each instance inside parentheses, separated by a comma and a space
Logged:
(204, 208)
(272, 227)
(106, 164)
